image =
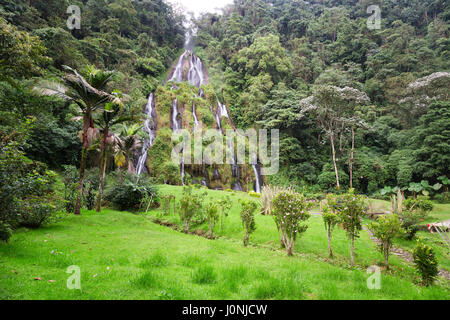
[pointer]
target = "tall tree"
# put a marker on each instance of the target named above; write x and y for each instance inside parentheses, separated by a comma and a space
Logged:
(111, 116)
(128, 143)
(330, 106)
(89, 94)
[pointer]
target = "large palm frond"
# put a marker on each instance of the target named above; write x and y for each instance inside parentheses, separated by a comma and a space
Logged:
(87, 92)
(52, 88)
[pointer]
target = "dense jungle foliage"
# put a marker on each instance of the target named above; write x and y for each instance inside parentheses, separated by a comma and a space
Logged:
(264, 57)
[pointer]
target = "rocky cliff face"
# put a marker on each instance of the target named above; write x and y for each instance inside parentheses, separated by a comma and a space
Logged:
(186, 101)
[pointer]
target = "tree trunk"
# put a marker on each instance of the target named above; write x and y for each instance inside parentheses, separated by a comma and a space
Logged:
(352, 157)
(246, 239)
(290, 248)
(86, 126)
(131, 168)
(330, 250)
(102, 170)
(352, 251)
(333, 152)
(386, 257)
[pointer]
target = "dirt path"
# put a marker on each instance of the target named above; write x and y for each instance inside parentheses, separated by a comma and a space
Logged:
(406, 255)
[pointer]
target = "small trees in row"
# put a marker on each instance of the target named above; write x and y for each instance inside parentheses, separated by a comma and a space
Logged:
(386, 229)
(290, 209)
(190, 205)
(212, 216)
(330, 220)
(346, 209)
(426, 262)
(224, 209)
(248, 211)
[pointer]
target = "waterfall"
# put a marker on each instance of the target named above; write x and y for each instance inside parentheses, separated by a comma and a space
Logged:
(222, 110)
(182, 166)
(255, 169)
(175, 124)
(149, 128)
(217, 117)
(195, 75)
(179, 71)
(234, 165)
(194, 113)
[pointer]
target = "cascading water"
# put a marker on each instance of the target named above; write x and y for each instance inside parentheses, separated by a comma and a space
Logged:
(149, 128)
(196, 76)
(218, 121)
(255, 169)
(179, 71)
(194, 113)
(222, 110)
(175, 121)
(235, 172)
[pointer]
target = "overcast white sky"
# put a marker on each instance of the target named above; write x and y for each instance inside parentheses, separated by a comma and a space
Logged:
(199, 6)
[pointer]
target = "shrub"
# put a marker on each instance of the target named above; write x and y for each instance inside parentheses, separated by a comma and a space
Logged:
(191, 206)
(290, 209)
(409, 220)
(5, 231)
(166, 204)
(327, 179)
(26, 189)
(149, 201)
(90, 196)
(171, 173)
(443, 198)
(35, 212)
(224, 208)
(267, 195)
(350, 208)
(386, 229)
(212, 215)
(70, 180)
(248, 209)
(426, 263)
(330, 219)
(424, 206)
(128, 193)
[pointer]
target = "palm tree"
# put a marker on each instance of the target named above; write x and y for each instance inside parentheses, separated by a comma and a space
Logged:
(90, 96)
(111, 116)
(127, 144)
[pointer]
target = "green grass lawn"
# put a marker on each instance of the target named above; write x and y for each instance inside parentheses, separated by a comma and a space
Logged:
(127, 256)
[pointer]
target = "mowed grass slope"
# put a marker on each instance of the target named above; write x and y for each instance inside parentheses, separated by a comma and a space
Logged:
(313, 242)
(126, 256)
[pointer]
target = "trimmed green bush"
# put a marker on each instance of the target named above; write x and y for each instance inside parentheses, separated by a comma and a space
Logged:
(290, 209)
(128, 193)
(248, 209)
(426, 263)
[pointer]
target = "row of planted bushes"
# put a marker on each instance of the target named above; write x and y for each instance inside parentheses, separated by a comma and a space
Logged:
(290, 211)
